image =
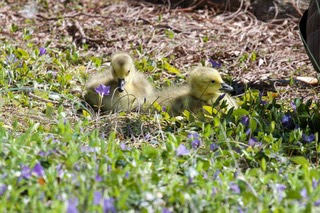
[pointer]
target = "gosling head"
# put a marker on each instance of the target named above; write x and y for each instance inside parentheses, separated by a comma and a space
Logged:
(205, 83)
(122, 69)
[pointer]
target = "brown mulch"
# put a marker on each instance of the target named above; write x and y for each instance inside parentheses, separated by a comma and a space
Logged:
(264, 55)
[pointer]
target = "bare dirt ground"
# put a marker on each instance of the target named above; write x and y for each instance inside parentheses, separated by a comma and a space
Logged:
(263, 55)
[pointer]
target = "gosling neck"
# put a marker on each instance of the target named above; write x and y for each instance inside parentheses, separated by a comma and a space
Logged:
(203, 95)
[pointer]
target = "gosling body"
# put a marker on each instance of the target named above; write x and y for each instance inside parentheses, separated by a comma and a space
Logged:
(204, 87)
(128, 88)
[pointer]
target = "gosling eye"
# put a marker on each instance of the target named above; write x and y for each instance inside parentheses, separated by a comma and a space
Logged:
(213, 81)
(128, 71)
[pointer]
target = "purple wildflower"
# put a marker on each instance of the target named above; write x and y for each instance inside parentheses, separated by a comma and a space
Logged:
(248, 132)
(97, 196)
(213, 147)
(240, 210)
(182, 150)
(59, 170)
(38, 170)
(42, 154)
(280, 189)
(213, 191)
(3, 189)
(315, 183)
(205, 175)
(195, 140)
(220, 97)
(244, 120)
(103, 90)
(42, 51)
(108, 205)
(234, 187)
(98, 178)
(215, 64)
(25, 172)
(216, 174)
(190, 180)
(164, 109)
(12, 58)
(317, 203)
(87, 149)
(294, 107)
(53, 73)
(72, 205)
(254, 142)
(165, 210)
(126, 175)
(308, 138)
(286, 121)
(235, 174)
(304, 193)
(261, 101)
(147, 136)
(124, 147)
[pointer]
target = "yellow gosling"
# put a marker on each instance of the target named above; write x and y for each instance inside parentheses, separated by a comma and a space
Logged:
(128, 87)
(205, 85)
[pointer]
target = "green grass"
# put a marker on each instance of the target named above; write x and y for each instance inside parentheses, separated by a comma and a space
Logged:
(57, 155)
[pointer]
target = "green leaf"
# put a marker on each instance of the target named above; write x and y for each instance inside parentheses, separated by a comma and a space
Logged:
(240, 112)
(263, 164)
(170, 68)
(253, 124)
(300, 160)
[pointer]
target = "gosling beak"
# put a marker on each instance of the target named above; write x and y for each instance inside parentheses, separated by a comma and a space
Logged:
(121, 83)
(225, 87)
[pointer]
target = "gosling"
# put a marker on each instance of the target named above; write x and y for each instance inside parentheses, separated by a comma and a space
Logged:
(204, 87)
(128, 88)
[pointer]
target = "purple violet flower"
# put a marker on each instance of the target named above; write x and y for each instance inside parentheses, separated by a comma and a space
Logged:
(294, 107)
(287, 121)
(261, 101)
(103, 90)
(182, 150)
(108, 206)
(164, 109)
(234, 187)
(42, 51)
(59, 170)
(215, 64)
(213, 147)
(98, 178)
(280, 189)
(216, 174)
(304, 193)
(38, 170)
(3, 189)
(72, 205)
(213, 191)
(317, 203)
(25, 172)
(42, 154)
(195, 140)
(126, 175)
(248, 132)
(240, 210)
(220, 97)
(165, 210)
(254, 142)
(315, 183)
(308, 138)
(124, 147)
(244, 120)
(87, 149)
(97, 196)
